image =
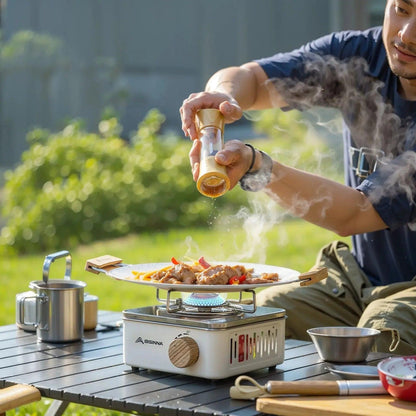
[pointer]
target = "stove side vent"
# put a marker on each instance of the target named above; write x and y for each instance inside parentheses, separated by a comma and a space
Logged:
(257, 344)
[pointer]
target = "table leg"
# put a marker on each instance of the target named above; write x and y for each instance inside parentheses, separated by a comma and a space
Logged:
(57, 408)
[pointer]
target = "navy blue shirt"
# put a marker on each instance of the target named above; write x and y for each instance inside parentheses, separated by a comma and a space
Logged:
(349, 71)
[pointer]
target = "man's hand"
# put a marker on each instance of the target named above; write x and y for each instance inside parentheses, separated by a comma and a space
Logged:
(227, 105)
(235, 156)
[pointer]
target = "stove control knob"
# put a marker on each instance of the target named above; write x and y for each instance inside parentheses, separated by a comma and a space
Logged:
(183, 352)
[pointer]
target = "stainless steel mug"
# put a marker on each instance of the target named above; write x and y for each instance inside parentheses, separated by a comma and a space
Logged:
(59, 315)
(60, 306)
(26, 309)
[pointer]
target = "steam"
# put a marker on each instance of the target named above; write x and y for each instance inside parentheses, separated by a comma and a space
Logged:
(348, 87)
(246, 234)
(397, 176)
(257, 221)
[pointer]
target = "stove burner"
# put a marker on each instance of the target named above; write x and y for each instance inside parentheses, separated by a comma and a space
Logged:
(205, 311)
(207, 304)
(204, 300)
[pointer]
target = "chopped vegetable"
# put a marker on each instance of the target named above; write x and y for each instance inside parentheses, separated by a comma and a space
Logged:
(203, 263)
(174, 261)
(236, 280)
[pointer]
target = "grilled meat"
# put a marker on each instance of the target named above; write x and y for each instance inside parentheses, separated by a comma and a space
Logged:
(263, 278)
(179, 273)
(216, 275)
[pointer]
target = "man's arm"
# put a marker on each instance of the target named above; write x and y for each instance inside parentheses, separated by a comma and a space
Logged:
(232, 90)
(326, 203)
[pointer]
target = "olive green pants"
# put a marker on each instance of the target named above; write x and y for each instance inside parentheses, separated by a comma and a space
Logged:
(347, 298)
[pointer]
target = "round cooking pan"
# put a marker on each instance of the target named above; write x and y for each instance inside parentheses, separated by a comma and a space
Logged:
(126, 272)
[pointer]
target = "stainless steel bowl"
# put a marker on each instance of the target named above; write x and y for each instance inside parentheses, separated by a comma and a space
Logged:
(343, 344)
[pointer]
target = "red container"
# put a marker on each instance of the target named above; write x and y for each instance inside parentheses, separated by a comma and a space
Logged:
(398, 375)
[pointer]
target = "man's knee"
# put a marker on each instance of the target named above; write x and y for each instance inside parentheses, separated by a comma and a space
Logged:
(276, 297)
(391, 317)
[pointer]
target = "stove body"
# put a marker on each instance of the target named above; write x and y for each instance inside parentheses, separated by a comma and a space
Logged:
(203, 345)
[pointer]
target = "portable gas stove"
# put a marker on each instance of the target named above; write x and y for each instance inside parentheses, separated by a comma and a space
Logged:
(202, 333)
(205, 336)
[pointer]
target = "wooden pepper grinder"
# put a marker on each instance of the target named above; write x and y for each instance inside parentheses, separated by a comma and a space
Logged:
(213, 180)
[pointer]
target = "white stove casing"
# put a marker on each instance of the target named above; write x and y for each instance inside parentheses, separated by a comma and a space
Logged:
(185, 347)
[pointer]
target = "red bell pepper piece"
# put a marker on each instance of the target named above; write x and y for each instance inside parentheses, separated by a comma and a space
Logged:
(174, 261)
(203, 263)
(236, 280)
(233, 280)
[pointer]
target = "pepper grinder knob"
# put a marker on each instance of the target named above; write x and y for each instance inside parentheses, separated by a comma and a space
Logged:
(183, 352)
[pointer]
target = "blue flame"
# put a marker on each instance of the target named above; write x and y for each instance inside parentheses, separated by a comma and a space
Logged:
(204, 300)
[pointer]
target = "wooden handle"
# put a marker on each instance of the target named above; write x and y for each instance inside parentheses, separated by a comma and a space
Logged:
(313, 276)
(307, 388)
(17, 395)
(103, 263)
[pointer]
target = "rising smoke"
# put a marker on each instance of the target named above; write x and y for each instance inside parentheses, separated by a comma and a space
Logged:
(348, 87)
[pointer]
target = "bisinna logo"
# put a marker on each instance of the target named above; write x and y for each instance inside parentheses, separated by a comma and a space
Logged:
(148, 341)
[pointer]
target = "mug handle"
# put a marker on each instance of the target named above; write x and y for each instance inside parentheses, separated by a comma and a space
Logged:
(21, 314)
(50, 258)
(395, 337)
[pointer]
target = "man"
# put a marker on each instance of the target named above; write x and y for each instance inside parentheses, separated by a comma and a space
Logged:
(370, 77)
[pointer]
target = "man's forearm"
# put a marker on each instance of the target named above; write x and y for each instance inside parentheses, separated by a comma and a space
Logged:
(323, 202)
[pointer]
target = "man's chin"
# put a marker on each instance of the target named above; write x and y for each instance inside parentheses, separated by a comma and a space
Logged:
(404, 73)
(407, 76)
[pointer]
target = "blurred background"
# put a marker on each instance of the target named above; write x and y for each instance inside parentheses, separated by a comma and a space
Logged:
(68, 59)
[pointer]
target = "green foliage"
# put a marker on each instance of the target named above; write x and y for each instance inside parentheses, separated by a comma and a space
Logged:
(77, 187)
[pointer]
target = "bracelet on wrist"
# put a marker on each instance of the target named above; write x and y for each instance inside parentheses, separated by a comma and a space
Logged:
(259, 179)
(253, 156)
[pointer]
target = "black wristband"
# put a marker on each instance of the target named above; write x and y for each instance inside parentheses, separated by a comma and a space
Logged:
(253, 156)
(256, 181)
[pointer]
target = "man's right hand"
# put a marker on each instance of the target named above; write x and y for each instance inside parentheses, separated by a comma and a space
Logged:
(226, 104)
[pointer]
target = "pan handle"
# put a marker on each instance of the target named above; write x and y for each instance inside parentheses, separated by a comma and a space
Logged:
(102, 264)
(312, 276)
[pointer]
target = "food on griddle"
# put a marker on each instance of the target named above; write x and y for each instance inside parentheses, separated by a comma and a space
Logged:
(202, 273)
(178, 273)
(216, 275)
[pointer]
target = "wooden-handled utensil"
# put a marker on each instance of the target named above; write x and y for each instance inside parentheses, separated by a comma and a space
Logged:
(305, 388)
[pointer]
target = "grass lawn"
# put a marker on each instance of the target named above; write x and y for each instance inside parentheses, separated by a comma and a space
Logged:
(292, 244)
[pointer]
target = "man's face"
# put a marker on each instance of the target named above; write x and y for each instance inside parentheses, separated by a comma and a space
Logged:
(399, 37)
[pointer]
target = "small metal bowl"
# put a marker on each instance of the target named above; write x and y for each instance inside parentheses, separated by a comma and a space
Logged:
(343, 344)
